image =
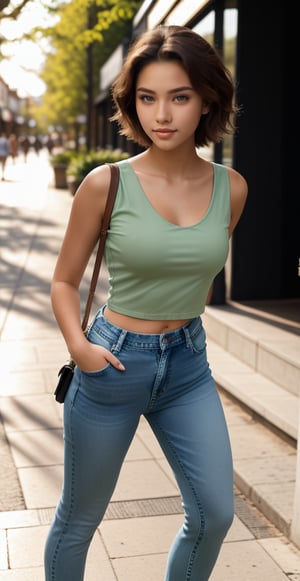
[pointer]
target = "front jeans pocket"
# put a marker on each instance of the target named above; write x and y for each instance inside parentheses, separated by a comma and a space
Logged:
(96, 337)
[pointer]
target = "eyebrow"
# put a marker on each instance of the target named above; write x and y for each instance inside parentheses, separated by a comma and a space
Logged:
(177, 90)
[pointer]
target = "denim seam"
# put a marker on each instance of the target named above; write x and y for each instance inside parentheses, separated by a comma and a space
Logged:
(198, 503)
(161, 372)
(67, 522)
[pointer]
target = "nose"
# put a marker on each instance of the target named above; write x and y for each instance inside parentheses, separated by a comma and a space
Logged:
(163, 112)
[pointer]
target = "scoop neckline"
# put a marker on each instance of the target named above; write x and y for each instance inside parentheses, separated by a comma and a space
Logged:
(156, 213)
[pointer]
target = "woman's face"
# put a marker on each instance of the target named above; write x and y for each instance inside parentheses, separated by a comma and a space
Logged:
(168, 108)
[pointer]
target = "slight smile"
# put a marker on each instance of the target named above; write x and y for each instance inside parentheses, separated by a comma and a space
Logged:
(164, 133)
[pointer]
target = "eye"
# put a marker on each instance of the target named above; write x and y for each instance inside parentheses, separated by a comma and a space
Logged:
(146, 98)
(181, 98)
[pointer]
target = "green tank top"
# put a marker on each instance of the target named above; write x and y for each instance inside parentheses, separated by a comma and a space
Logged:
(158, 270)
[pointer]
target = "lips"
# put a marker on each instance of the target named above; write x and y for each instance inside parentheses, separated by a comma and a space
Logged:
(164, 133)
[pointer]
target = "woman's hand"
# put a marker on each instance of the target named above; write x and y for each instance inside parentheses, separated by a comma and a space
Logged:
(95, 358)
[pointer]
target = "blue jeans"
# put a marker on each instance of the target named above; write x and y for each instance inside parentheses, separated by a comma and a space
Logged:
(168, 380)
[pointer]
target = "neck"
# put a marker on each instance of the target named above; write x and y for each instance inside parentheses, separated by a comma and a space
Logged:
(175, 162)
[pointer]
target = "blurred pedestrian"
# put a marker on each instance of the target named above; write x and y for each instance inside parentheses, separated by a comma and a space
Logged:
(25, 145)
(37, 144)
(49, 144)
(4, 153)
(145, 352)
(13, 146)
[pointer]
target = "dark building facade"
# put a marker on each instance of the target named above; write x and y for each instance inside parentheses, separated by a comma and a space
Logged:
(256, 44)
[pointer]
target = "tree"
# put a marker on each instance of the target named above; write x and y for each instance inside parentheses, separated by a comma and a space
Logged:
(13, 8)
(85, 26)
(3, 4)
(21, 50)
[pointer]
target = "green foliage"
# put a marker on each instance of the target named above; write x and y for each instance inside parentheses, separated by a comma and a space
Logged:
(83, 163)
(98, 24)
(64, 72)
(63, 157)
(94, 26)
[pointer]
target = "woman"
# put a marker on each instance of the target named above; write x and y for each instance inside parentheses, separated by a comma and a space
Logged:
(145, 352)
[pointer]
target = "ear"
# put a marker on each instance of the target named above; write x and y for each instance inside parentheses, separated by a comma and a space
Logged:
(205, 108)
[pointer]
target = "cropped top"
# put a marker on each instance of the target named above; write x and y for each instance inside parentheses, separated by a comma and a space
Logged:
(158, 270)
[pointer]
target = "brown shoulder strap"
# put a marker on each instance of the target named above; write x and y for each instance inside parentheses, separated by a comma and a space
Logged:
(112, 192)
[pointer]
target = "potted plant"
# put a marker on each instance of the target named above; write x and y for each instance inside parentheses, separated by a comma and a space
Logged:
(83, 163)
(60, 161)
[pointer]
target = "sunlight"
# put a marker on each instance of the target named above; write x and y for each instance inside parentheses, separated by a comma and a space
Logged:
(23, 58)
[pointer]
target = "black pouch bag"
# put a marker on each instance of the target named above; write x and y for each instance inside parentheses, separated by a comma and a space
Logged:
(65, 375)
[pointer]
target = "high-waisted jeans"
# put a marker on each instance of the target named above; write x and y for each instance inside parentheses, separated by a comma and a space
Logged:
(168, 380)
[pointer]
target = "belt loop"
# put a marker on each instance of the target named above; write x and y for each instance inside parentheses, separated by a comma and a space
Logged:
(102, 309)
(187, 337)
(118, 345)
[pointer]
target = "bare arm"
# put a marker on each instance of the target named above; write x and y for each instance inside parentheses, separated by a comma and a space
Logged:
(79, 241)
(238, 197)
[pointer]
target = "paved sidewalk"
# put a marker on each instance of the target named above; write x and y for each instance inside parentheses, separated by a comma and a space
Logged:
(145, 512)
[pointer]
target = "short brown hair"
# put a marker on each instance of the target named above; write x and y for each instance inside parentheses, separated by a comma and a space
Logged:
(206, 71)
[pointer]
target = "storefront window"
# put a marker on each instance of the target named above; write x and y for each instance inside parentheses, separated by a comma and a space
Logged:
(229, 52)
(206, 29)
(229, 48)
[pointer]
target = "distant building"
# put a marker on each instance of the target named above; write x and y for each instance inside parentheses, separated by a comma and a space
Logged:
(10, 104)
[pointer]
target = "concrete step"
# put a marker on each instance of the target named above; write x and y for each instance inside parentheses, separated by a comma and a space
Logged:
(264, 464)
(257, 362)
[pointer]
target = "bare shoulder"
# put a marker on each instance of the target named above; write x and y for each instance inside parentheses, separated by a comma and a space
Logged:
(87, 212)
(238, 184)
(93, 190)
(238, 196)
(83, 226)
